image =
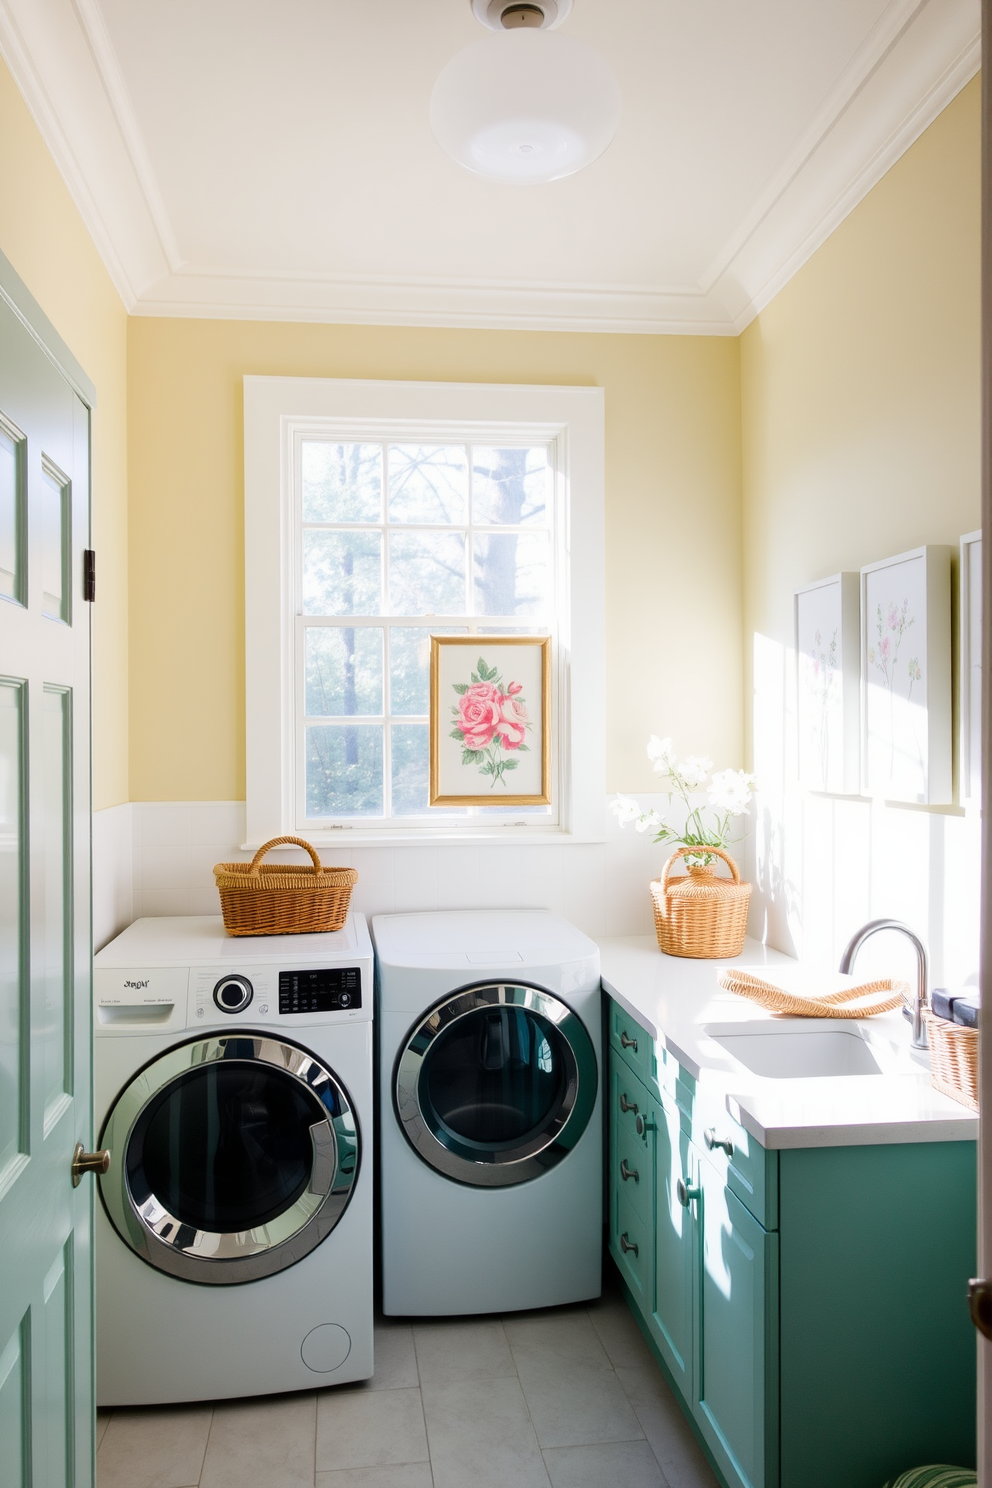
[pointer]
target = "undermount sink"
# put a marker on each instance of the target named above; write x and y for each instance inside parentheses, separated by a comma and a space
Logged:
(792, 1049)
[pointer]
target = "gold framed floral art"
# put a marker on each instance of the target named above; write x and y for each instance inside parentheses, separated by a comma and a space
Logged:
(490, 720)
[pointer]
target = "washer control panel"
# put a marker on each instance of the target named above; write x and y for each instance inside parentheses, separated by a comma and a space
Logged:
(232, 994)
(320, 990)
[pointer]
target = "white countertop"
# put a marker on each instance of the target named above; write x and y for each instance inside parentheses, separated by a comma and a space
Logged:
(675, 1000)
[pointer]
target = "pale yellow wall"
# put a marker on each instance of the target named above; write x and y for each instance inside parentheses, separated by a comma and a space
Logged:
(673, 526)
(43, 236)
(861, 439)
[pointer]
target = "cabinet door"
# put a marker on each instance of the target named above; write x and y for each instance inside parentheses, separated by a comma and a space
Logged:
(676, 1242)
(736, 1400)
(631, 1182)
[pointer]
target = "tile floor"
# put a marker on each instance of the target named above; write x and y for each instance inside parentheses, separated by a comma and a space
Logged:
(569, 1398)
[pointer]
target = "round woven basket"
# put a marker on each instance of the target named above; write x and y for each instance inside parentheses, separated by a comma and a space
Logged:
(700, 915)
(283, 899)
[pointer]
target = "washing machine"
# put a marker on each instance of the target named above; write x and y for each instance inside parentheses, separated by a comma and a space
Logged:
(233, 1086)
(490, 1111)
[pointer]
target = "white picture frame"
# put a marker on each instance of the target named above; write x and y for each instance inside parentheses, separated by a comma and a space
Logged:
(970, 669)
(906, 677)
(828, 684)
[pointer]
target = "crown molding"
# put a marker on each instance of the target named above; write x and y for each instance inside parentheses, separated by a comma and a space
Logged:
(917, 57)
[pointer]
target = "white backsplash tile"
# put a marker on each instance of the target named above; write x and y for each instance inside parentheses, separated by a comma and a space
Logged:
(157, 858)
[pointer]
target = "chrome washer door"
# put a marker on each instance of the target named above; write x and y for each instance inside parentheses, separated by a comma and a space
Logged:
(232, 1158)
(495, 1085)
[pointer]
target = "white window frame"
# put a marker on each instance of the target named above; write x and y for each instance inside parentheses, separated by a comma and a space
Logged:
(276, 411)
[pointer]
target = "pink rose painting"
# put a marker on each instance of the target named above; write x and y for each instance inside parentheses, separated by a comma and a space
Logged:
(490, 722)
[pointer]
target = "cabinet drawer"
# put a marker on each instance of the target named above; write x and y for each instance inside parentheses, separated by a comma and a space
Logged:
(631, 1042)
(632, 1175)
(749, 1170)
(630, 1243)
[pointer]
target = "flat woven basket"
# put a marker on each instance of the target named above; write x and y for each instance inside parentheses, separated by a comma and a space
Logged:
(700, 915)
(953, 1059)
(285, 898)
(859, 1001)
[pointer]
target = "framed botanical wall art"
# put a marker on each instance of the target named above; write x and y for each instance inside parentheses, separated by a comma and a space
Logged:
(971, 669)
(490, 720)
(828, 678)
(906, 677)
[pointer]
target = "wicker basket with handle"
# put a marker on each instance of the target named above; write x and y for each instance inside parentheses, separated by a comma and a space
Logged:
(284, 898)
(953, 1059)
(700, 915)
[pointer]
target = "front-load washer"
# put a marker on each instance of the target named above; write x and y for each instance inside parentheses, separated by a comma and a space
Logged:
(233, 1086)
(489, 1034)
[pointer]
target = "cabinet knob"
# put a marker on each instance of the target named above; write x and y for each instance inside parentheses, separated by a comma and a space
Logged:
(87, 1162)
(642, 1125)
(686, 1195)
(627, 1043)
(626, 1172)
(626, 1105)
(712, 1140)
(626, 1245)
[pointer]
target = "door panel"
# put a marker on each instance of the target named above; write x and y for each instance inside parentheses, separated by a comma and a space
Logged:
(675, 1246)
(46, 1386)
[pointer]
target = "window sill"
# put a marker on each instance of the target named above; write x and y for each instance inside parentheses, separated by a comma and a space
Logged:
(436, 837)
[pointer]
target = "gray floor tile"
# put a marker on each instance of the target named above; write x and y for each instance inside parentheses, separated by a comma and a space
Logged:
(395, 1359)
(667, 1429)
(481, 1436)
(572, 1405)
(370, 1428)
(161, 1447)
(620, 1335)
(102, 1422)
(464, 1350)
(410, 1475)
(262, 1443)
(623, 1464)
(552, 1338)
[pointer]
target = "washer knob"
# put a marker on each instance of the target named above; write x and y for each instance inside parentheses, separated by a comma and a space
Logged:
(232, 994)
(344, 1000)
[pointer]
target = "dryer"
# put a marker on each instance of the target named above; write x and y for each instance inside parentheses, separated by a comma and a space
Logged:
(490, 1111)
(233, 1086)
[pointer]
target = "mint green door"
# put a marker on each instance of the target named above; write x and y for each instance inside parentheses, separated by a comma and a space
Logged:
(46, 1384)
(736, 1397)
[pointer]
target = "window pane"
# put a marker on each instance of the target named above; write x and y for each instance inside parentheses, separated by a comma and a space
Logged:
(342, 573)
(410, 748)
(343, 670)
(344, 769)
(511, 485)
(426, 573)
(512, 573)
(11, 464)
(410, 665)
(341, 482)
(427, 483)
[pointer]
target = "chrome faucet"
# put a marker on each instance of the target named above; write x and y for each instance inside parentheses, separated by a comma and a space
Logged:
(922, 998)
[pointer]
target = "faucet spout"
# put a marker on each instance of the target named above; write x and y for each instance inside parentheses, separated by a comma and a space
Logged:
(921, 1002)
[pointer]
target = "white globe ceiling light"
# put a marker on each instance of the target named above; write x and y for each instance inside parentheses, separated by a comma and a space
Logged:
(526, 104)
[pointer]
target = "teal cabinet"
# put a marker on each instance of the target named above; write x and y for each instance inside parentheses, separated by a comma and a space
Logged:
(809, 1305)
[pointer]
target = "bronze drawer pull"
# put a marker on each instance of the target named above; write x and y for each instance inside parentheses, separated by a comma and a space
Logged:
(626, 1245)
(626, 1105)
(627, 1043)
(626, 1172)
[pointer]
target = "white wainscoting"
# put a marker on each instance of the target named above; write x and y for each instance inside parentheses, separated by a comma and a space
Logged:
(157, 857)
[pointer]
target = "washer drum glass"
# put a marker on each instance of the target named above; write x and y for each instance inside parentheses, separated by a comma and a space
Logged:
(231, 1158)
(496, 1084)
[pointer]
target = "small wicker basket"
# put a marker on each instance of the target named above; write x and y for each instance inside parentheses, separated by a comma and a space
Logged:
(283, 899)
(953, 1059)
(700, 915)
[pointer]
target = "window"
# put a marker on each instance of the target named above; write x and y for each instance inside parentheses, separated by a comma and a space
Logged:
(376, 514)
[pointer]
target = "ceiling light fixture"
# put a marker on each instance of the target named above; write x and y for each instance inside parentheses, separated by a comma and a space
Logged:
(525, 105)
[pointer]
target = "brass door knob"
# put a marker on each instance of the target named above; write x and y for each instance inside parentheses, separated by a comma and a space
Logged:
(980, 1305)
(88, 1162)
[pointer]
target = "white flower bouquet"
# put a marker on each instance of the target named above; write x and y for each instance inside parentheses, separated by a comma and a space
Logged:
(729, 793)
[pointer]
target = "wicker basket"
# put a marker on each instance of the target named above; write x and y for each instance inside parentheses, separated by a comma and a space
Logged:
(700, 915)
(283, 899)
(953, 1059)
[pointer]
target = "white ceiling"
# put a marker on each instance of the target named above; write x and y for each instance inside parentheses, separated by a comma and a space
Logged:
(273, 159)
